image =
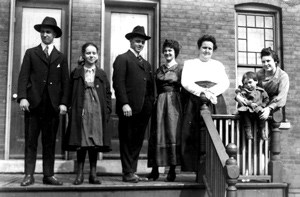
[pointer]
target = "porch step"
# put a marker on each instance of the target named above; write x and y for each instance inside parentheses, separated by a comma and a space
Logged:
(112, 186)
(262, 189)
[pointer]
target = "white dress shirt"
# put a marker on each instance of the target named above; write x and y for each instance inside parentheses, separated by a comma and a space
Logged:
(214, 71)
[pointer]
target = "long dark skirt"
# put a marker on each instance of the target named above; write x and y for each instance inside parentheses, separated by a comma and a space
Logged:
(194, 130)
(165, 137)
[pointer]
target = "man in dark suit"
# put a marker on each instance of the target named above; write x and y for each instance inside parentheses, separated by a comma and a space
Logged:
(43, 89)
(134, 90)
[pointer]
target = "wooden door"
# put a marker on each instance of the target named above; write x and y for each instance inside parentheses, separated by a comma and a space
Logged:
(120, 20)
(29, 13)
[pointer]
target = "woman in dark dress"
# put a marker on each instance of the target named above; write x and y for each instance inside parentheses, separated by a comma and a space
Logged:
(164, 142)
(89, 113)
(201, 75)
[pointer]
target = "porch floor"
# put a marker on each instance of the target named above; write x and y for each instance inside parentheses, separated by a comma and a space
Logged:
(11, 182)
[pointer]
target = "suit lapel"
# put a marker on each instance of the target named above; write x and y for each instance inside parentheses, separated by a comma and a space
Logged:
(40, 53)
(54, 55)
(135, 59)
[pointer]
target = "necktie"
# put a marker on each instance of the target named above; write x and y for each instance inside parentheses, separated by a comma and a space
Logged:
(46, 51)
(140, 58)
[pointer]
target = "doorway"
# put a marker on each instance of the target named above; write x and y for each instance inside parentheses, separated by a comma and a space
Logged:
(120, 19)
(29, 13)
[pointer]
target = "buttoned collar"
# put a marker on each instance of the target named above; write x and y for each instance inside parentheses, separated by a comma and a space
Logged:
(133, 51)
(92, 68)
(50, 47)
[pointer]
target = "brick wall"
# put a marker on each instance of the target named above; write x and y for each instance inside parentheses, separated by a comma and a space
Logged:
(187, 20)
(86, 26)
(4, 38)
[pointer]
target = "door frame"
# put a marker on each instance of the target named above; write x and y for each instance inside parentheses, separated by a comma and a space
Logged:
(154, 57)
(154, 4)
(10, 69)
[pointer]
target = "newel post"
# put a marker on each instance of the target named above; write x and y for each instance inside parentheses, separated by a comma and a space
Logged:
(202, 161)
(231, 170)
(275, 164)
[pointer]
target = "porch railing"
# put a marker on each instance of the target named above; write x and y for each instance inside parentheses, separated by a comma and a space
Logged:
(253, 156)
(219, 170)
(248, 159)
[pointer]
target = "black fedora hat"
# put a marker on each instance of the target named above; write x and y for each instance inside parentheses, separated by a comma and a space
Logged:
(138, 31)
(49, 22)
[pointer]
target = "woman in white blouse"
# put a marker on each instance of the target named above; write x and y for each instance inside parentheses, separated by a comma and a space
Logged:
(201, 75)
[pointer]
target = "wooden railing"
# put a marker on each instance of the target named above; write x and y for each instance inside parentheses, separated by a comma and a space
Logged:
(249, 159)
(253, 155)
(219, 170)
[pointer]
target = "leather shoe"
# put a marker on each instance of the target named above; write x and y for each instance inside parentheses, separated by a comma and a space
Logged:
(171, 176)
(140, 178)
(28, 180)
(51, 180)
(130, 177)
(78, 180)
(153, 175)
(94, 180)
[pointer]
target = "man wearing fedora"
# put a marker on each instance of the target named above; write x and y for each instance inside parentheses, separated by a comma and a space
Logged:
(134, 90)
(43, 89)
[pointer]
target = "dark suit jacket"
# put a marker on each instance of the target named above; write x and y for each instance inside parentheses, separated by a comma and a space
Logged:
(129, 81)
(37, 73)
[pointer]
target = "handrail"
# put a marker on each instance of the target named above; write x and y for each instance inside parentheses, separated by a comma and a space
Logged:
(221, 170)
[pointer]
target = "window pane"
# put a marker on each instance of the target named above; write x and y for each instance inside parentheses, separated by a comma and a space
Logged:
(242, 58)
(269, 34)
(258, 59)
(242, 32)
(259, 21)
(241, 20)
(251, 58)
(250, 21)
(255, 39)
(242, 45)
(270, 44)
(269, 22)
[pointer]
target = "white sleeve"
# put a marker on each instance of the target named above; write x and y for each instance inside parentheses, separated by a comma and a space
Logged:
(188, 79)
(223, 81)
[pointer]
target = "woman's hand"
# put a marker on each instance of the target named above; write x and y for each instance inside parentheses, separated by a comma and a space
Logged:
(265, 113)
(209, 95)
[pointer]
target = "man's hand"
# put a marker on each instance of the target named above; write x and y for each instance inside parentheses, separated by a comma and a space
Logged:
(24, 105)
(127, 110)
(62, 109)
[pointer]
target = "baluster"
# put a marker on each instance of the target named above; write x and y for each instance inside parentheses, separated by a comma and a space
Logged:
(255, 144)
(267, 149)
(231, 170)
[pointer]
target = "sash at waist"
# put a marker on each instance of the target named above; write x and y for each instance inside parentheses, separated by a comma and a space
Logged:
(168, 89)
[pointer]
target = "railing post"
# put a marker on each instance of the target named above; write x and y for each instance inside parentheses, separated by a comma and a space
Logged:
(231, 170)
(202, 161)
(275, 164)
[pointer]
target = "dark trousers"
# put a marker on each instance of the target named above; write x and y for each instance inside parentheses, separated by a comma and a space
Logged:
(42, 119)
(247, 119)
(131, 135)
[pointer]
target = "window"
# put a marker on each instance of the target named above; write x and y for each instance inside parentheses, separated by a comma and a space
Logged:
(257, 27)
